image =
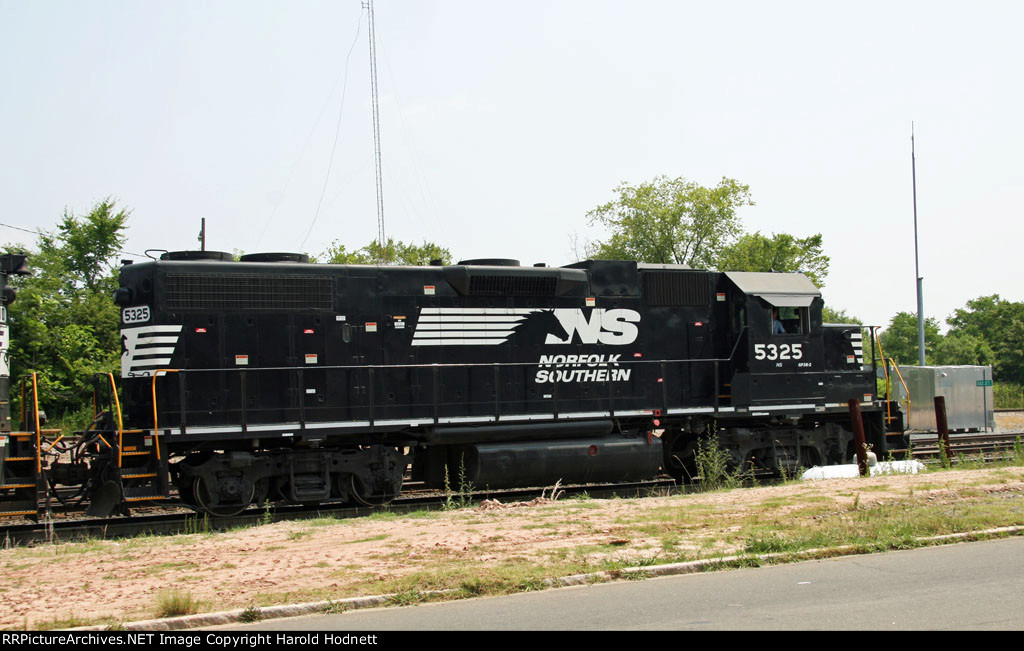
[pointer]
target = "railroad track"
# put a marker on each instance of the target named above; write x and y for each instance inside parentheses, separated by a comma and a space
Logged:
(188, 521)
(992, 445)
(175, 518)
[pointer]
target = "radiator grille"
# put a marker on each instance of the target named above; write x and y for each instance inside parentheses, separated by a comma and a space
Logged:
(676, 288)
(512, 285)
(248, 292)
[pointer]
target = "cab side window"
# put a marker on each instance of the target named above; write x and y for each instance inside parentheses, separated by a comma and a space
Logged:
(790, 320)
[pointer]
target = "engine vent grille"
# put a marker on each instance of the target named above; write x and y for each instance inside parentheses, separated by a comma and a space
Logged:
(676, 288)
(248, 292)
(512, 285)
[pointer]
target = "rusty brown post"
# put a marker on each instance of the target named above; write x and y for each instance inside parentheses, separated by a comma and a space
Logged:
(859, 443)
(943, 427)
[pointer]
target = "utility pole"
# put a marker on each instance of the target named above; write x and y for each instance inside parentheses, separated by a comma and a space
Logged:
(917, 268)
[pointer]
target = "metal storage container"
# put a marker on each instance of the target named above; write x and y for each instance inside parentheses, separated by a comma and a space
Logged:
(967, 390)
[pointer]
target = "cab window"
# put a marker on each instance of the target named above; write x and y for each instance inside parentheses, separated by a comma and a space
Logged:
(794, 320)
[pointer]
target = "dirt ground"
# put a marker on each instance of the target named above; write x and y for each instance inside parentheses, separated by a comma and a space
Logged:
(292, 562)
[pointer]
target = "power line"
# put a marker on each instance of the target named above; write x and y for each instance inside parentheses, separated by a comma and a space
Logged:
(337, 130)
(305, 145)
(38, 232)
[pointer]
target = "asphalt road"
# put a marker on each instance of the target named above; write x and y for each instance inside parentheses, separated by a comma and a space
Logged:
(955, 587)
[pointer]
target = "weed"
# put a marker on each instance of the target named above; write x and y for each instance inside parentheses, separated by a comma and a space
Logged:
(197, 525)
(556, 492)
(407, 598)
(267, 517)
(172, 603)
(250, 614)
(713, 465)
(464, 497)
(71, 621)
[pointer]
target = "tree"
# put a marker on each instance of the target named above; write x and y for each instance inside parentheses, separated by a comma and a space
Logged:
(394, 253)
(670, 221)
(87, 246)
(963, 349)
(899, 339)
(64, 323)
(830, 315)
(993, 328)
(780, 252)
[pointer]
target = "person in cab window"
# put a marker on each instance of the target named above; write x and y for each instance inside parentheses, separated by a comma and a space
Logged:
(777, 327)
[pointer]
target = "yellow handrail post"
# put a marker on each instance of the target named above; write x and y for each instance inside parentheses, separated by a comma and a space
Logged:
(156, 429)
(39, 447)
(120, 424)
(905, 388)
(885, 371)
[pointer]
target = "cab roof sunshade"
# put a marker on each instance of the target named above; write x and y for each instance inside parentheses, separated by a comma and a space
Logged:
(779, 289)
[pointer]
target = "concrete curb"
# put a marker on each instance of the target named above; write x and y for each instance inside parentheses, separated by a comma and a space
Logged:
(670, 569)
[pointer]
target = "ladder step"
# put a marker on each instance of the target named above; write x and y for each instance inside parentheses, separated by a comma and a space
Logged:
(151, 474)
(17, 485)
(136, 454)
(4, 514)
(143, 499)
(20, 459)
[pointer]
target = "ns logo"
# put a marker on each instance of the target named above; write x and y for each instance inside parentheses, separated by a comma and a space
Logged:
(613, 327)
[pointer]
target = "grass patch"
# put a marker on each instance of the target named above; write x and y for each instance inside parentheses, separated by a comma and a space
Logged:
(174, 603)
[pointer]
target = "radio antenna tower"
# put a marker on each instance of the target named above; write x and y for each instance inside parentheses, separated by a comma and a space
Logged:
(381, 241)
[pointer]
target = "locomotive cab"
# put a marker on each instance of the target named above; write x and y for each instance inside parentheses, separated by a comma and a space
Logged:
(788, 355)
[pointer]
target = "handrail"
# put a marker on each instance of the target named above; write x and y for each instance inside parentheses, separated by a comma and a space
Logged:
(156, 428)
(906, 389)
(885, 371)
(35, 400)
(120, 424)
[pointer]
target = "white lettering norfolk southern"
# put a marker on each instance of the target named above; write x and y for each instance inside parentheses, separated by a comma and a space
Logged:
(580, 368)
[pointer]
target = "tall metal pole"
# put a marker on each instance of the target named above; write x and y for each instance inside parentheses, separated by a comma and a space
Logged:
(376, 134)
(917, 268)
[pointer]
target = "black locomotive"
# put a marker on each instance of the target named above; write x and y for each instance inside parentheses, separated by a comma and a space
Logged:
(275, 378)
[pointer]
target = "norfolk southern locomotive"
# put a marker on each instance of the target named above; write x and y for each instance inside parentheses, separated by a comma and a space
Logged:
(271, 378)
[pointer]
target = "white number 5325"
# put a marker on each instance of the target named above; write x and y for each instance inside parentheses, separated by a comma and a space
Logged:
(135, 314)
(780, 351)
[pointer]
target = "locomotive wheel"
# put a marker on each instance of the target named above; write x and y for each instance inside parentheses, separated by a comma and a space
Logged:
(362, 497)
(679, 458)
(221, 510)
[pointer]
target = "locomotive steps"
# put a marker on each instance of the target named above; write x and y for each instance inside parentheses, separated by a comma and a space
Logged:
(476, 551)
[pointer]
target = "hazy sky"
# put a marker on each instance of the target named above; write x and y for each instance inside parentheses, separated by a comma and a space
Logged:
(504, 123)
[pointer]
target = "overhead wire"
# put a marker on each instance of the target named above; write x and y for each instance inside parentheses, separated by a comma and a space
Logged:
(305, 145)
(337, 131)
(38, 232)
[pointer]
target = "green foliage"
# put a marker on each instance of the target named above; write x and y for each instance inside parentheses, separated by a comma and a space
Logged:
(988, 331)
(715, 465)
(899, 340)
(64, 324)
(670, 221)
(394, 253)
(174, 603)
(1008, 395)
(780, 252)
(992, 329)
